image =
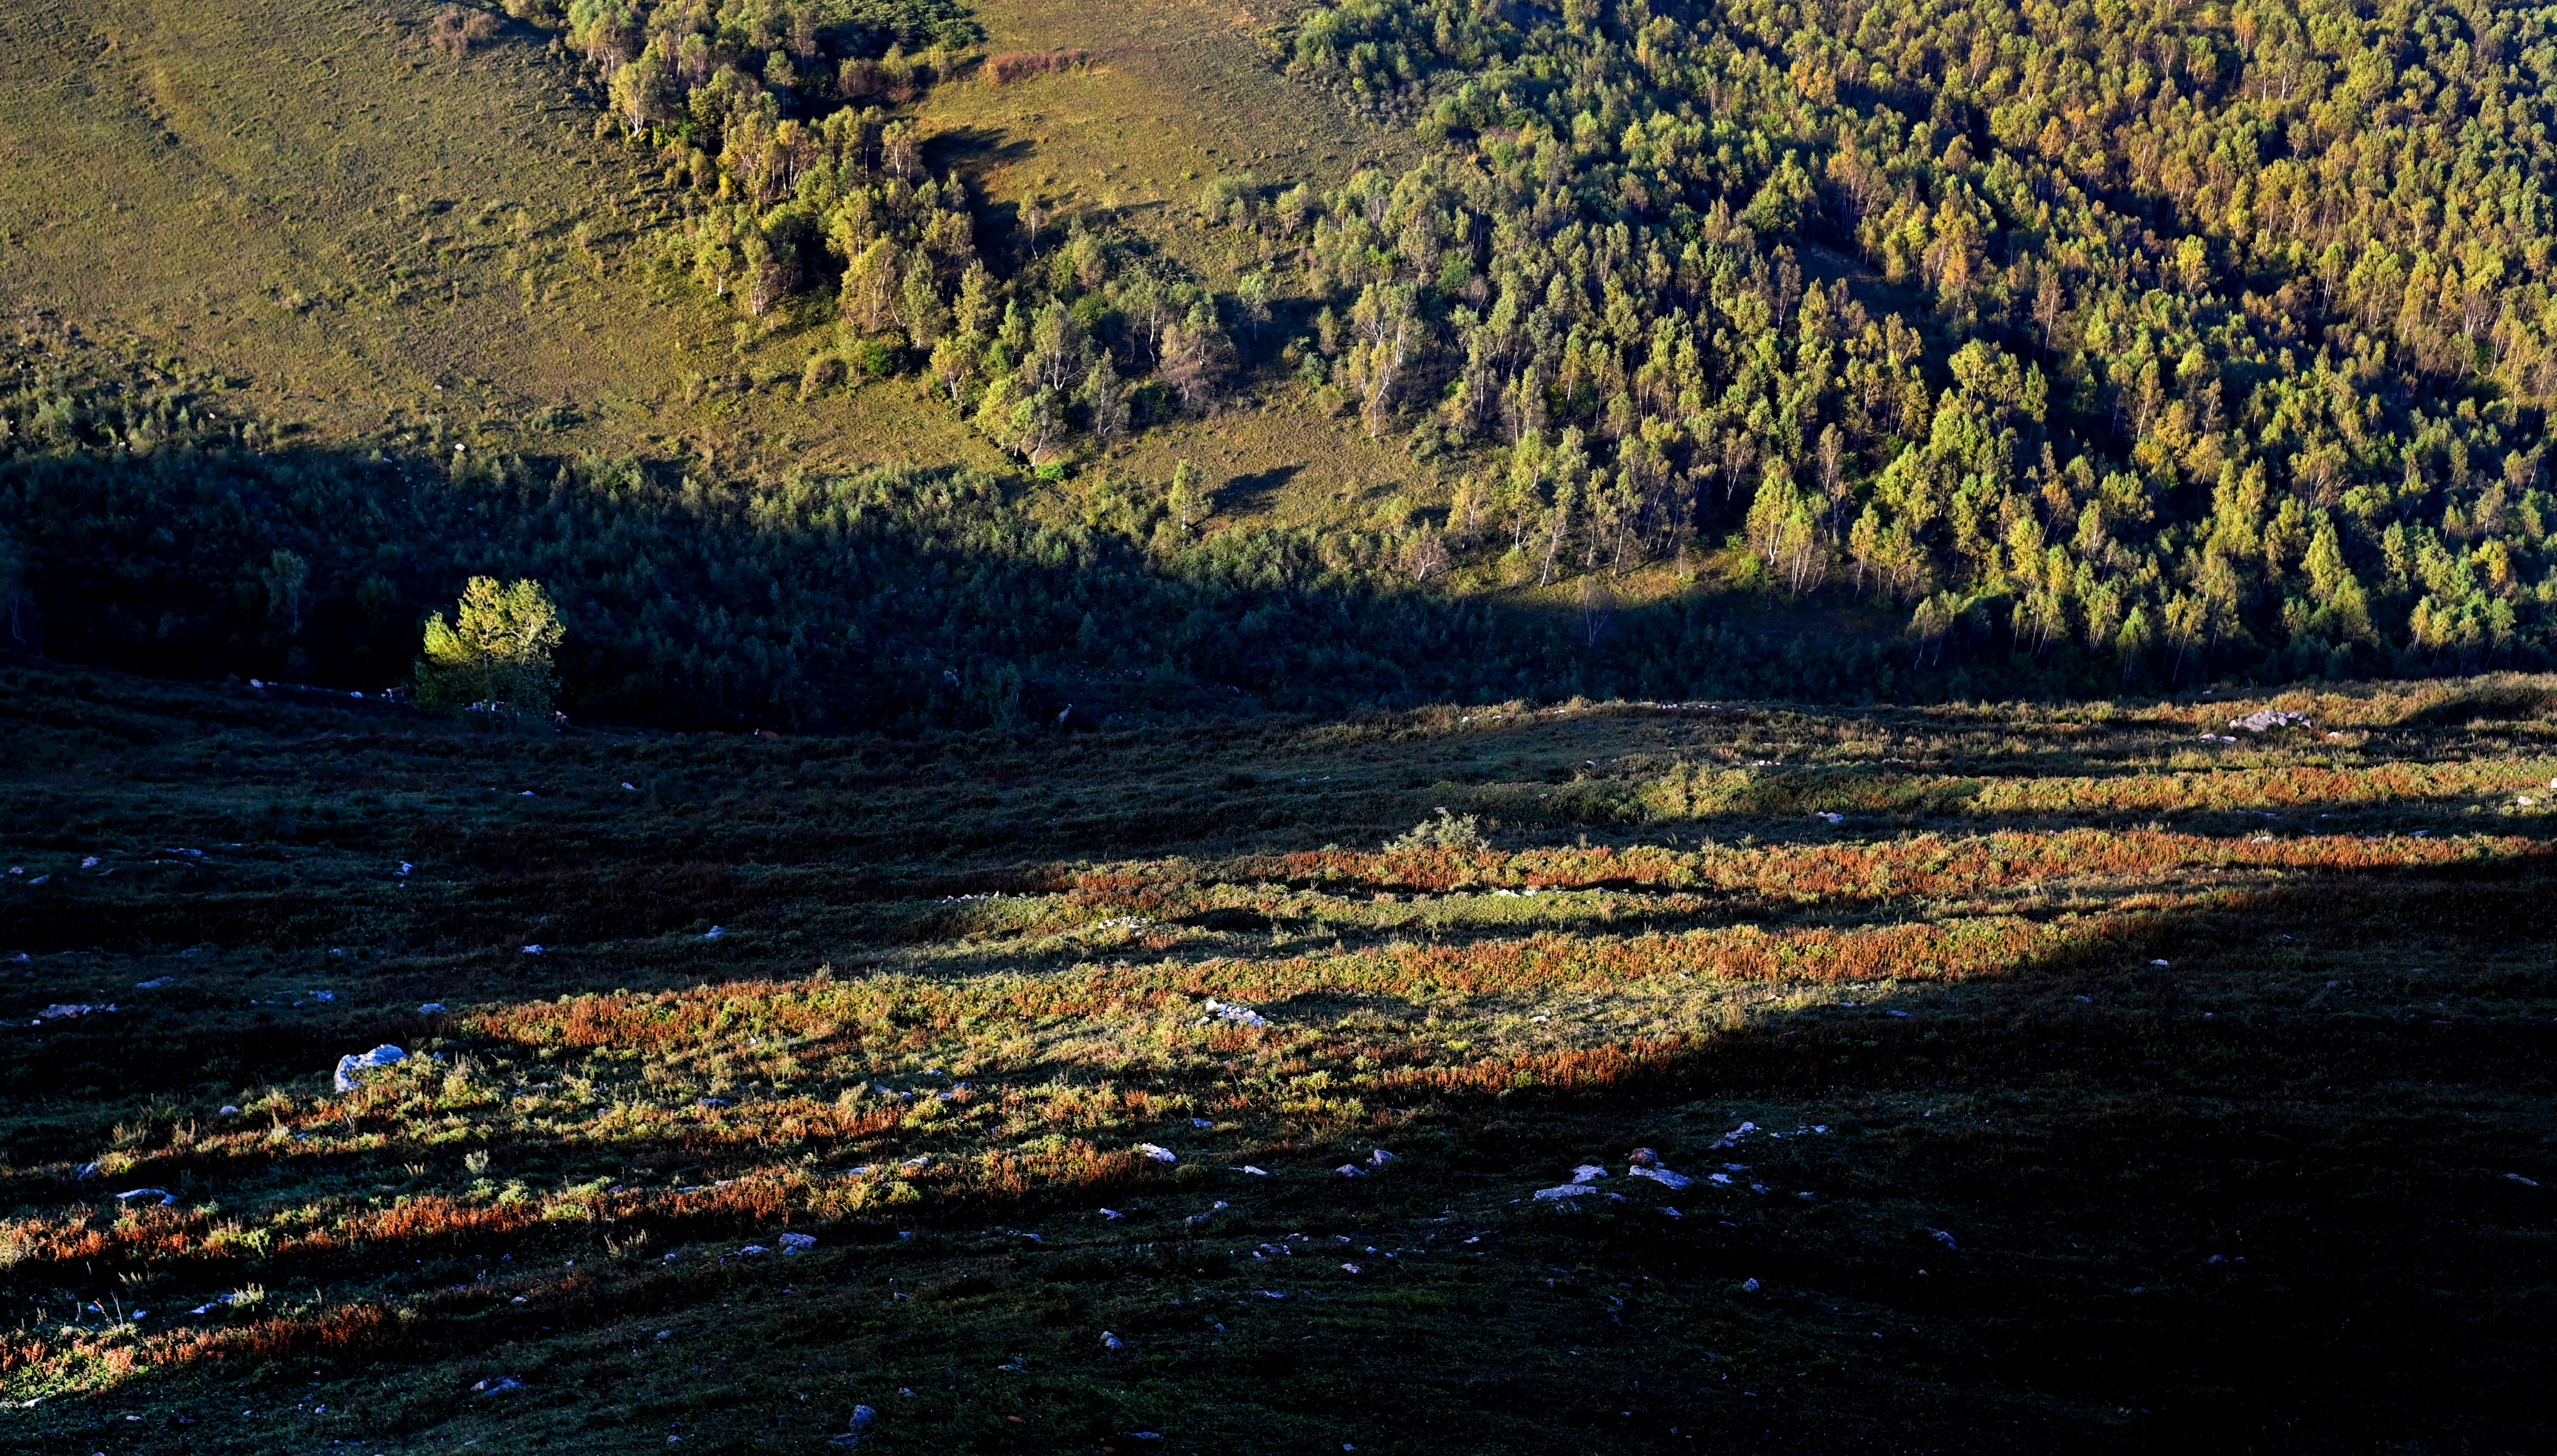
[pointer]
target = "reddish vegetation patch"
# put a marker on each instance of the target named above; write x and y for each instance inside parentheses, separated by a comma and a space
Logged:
(1014, 66)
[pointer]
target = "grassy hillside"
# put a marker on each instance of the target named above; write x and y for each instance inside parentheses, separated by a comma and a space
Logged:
(369, 234)
(2114, 1084)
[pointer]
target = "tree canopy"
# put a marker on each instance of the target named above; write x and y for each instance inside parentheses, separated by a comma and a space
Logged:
(495, 653)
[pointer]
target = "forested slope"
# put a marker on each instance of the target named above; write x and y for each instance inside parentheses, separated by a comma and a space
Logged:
(2054, 347)
(2217, 330)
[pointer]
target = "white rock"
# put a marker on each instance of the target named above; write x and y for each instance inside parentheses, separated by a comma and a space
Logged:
(1159, 1154)
(1238, 1015)
(351, 1064)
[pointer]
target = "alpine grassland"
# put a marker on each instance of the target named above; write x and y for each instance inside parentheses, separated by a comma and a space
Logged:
(1386, 725)
(1979, 1075)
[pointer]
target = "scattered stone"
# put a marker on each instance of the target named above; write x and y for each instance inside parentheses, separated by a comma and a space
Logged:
(156, 983)
(1112, 1342)
(1663, 1176)
(498, 1385)
(1587, 1173)
(1349, 1170)
(1941, 1237)
(1380, 1157)
(714, 932)
(431, 1008)
(1159, 1154)
(65, 1011)
(163, 1195)
(2265, 718)
(794, 1242)
(1565, 1190)
(532, 950)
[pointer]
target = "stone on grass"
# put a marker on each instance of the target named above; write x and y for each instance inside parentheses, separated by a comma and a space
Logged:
(353, 1063)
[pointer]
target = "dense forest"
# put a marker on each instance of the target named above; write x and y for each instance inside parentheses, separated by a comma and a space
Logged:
(2206, 330)
(2179, 339)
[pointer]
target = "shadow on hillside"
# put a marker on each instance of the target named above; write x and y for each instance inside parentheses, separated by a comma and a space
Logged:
(901, 600)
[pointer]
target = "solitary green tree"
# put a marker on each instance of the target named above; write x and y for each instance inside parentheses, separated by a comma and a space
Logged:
(497, 649)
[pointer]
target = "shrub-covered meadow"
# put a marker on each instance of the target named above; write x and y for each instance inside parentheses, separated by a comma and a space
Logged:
(2003, 1073)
